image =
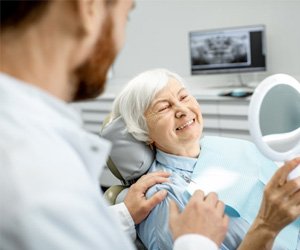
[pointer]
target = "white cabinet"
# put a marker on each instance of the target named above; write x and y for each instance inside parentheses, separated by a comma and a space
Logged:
(225, 116)
(94, 112)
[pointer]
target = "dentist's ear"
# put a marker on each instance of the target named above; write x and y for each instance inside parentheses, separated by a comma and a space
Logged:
(91, 14)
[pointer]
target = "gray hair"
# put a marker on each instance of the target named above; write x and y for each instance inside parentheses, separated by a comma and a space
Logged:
(137, 96)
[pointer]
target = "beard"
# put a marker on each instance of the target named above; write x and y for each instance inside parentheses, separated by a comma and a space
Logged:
(91, 75)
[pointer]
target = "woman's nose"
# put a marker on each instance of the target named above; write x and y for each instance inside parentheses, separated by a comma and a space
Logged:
(180, 111)
(180, 114)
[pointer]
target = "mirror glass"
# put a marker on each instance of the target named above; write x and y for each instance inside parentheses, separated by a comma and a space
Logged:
(279, 118)
(274, 117)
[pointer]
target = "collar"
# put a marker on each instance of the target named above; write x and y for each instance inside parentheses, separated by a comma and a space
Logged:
(175, 162)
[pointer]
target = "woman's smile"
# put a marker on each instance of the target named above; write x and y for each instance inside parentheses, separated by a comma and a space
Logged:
(186, 125)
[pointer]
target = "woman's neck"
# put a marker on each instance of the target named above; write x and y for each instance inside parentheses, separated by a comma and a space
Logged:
(192, 151)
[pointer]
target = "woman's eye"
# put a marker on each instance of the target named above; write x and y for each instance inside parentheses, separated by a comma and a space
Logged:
(184, 97)
(163, 108)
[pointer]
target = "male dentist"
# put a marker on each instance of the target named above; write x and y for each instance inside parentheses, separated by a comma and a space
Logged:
(52, 53)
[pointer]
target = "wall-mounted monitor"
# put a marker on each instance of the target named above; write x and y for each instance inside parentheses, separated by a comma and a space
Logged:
(228, 50)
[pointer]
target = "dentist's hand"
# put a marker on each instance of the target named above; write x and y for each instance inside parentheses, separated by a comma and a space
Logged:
(137, 203)
(202, 215)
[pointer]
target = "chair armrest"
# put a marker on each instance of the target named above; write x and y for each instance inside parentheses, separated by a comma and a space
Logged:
(112, 193)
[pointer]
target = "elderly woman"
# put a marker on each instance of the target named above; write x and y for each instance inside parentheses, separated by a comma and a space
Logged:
(158, 109)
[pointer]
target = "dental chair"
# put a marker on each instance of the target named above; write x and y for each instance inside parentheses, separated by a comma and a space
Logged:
(129, 160)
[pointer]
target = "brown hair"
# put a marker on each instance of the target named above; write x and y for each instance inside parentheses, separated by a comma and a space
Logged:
(19, 13)
(92, 74)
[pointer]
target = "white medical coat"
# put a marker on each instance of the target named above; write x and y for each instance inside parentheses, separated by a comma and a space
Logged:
(49, 168)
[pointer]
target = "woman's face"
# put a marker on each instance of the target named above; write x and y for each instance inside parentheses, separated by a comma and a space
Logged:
(174, 121)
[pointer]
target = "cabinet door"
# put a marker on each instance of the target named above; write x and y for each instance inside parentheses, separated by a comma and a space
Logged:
(233, 118)
(233, 107)
(210, 115)
(94, 112)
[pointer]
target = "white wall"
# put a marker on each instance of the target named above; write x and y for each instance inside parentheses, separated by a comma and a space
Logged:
(157, 36)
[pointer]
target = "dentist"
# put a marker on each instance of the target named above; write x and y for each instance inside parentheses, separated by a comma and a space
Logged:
(52, 53)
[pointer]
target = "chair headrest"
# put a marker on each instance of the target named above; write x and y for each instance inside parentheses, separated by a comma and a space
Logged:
(131, 157)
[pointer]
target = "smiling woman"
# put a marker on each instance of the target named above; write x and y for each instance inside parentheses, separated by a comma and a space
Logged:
(175, 116)
(138, 96)
(158, 110)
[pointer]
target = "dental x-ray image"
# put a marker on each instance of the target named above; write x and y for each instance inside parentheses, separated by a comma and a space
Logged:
(210, 50)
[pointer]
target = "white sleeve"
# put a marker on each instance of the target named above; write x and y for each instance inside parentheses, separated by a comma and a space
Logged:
(194, 242)
(125, 219)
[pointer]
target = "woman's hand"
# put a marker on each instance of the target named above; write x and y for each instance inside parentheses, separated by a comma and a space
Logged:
(280, 206)
(202, 215)
(281, 202)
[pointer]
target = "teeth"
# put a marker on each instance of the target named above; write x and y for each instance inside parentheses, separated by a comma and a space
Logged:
(186, 124)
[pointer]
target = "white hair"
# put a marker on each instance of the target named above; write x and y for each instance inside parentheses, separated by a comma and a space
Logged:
(137, 96)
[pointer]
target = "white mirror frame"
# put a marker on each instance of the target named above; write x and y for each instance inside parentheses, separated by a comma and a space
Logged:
(253, 115)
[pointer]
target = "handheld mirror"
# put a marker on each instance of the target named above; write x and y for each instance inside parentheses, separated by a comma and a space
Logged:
(274, 118)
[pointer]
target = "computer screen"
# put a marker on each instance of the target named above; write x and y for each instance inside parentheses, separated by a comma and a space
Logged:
(228, 50)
